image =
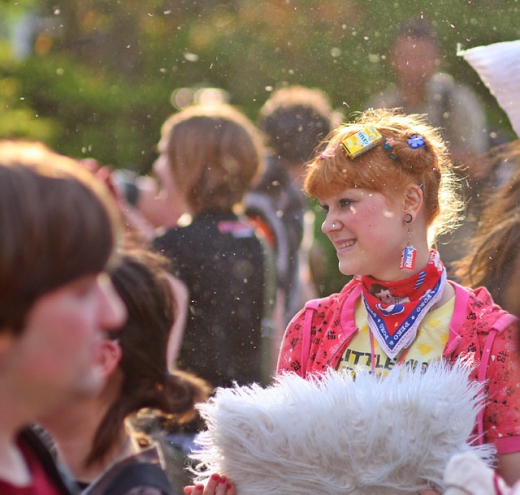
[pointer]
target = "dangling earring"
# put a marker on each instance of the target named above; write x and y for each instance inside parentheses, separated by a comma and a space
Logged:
(409, 252)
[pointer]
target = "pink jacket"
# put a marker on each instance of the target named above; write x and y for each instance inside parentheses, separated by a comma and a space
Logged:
(319, 334)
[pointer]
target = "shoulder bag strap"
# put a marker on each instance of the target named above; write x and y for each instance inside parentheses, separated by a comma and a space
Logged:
(310, 307)
(139, 474)
(482, 372)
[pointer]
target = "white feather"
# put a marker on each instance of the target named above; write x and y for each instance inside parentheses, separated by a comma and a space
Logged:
(335, 435)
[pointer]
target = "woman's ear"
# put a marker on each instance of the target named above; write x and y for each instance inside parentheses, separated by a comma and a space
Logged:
(413, 199)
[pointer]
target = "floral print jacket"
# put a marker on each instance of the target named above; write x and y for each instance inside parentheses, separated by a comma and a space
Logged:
(479, 331)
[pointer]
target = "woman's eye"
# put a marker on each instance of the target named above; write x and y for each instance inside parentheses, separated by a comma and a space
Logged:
(345, 202)
(324, 207)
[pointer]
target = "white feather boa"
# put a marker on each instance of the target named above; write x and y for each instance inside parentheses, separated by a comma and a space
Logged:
(333, 435)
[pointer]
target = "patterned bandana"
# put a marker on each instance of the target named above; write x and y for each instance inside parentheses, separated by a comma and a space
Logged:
(396, 309)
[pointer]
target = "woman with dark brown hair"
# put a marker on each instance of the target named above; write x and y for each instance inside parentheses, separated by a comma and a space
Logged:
(493, 261)
(95, 437)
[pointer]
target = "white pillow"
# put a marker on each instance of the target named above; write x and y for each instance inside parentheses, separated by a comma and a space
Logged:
(334, 435)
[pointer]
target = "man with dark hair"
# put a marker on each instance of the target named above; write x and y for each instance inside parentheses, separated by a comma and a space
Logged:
(422, 88)
(294, 121)
(58, 232)
(453, 107)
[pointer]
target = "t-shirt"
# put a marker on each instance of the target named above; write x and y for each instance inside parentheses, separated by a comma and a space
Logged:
(41, 483)
(452, 107)
(476, 324)
(432, 337)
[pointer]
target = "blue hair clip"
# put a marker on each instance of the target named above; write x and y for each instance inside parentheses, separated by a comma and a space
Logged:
(388, 146)
(416, 141)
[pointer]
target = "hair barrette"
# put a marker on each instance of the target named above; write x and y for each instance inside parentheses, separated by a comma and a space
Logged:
(361, 142)
(389, 146)
(416, 141)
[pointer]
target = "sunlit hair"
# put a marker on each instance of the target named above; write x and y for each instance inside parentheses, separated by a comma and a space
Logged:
(214, 154)
(295, 120)
(429, 167)
(495, 243)
(146, 384)
(57, 224)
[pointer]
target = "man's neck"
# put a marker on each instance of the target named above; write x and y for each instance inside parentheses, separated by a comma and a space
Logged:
(414, 95)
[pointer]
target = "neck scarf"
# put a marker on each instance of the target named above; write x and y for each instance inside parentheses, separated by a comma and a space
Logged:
(395, 309)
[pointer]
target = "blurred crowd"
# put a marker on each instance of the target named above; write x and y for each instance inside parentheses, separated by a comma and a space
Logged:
(251, 250)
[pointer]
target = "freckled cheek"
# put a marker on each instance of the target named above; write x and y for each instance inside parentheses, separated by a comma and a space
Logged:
(363, 218)
(372, 227)
(378, 216)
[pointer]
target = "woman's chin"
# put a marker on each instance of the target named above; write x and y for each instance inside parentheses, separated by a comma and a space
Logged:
(347, 269)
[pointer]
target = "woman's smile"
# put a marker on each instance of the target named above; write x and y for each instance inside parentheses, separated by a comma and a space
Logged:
(344, 244)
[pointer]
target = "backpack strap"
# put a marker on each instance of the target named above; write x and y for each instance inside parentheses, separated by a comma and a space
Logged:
(139, 474)
(310, 307)
(482, 372)
(462, 295)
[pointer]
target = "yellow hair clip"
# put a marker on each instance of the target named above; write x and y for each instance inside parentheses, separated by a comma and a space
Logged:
(361, 141)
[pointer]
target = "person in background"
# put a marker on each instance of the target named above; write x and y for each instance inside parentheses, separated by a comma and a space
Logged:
(209, 157)
(294, 120)
(142, 203)
(385, 182)
(96, 437)
(493, 260)
(139, 230)
(59, 228)
(450, 106)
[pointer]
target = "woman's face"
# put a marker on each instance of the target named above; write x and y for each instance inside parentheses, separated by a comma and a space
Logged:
(169, 189)
(414, 60)
(368, 232)
(162, 170)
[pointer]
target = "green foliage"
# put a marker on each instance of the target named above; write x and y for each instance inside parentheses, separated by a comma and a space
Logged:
(100, 81)
(17, 117)
(99, 115)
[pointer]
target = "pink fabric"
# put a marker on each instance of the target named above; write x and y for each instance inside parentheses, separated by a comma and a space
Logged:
(508, 445)
(475, 315)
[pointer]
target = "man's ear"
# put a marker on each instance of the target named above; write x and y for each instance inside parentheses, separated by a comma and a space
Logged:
(109, 356)
(413, 200)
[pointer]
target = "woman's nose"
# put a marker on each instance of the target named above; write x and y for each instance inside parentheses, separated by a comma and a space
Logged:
(329, 225)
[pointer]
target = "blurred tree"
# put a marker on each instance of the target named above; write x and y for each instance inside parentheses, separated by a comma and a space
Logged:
(102, 71)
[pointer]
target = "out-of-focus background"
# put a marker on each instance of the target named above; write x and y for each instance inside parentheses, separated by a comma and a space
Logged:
(98, 77)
